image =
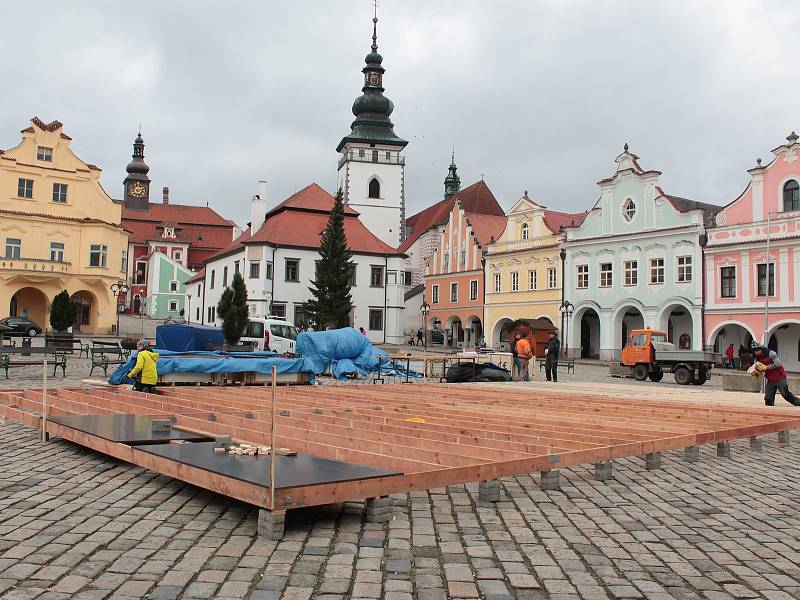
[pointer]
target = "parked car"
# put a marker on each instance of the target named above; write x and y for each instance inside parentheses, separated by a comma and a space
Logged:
(19, 326)
(437, 337)
(271, 333)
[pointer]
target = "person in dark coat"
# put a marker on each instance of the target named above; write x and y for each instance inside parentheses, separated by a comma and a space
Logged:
(769, 363)
(552, 350)
(420, 336)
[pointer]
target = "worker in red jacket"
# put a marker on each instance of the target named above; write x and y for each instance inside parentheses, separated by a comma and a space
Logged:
(775, 375)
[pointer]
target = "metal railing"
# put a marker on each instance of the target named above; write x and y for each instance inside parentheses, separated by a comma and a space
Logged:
(372, 156)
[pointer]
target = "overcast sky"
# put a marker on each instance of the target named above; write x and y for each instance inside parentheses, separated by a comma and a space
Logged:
(534, 95)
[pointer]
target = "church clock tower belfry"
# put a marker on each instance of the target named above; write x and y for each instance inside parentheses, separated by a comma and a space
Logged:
(137, 183)
(371, 165)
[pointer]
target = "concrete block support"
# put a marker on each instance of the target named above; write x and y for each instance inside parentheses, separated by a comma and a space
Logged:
(489, 491)
(756, 444)
(652, 461)
(550, 480)
(783, 438)
(692, 453)
(270, 523)
(724, 449)
(379, 510)
(603, 471)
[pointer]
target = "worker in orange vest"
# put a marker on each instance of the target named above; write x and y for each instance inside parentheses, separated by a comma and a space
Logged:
(524, 353)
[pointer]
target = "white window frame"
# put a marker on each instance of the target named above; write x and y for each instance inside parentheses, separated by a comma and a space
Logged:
(552, 278)
(176, 284)
(514, 281)
(473, 289)
(57, 254)
(175, 304)
(44, 153)
(606, 275)
(533, 279)
(682, 270)
(629, 209)
(435, 294)
(735, 276)
(498, 283)
(446, 260)
(123, 263)
(177, 255)
(101, 250)
(60, 193)
(631, 272)
(658, 271)
(525, 232)
(582, 276)
(769, 271)
(13, 244)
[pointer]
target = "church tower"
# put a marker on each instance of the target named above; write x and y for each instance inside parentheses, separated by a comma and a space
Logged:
(452, 183)
(137, 183)
(371, 166)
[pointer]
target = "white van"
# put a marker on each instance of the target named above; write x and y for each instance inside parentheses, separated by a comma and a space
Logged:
(271, 333)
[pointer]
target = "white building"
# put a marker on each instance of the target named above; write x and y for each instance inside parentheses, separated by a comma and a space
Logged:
(278, 262)
(371, 165)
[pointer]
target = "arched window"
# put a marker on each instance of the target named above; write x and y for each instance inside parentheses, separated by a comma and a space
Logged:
(374, 189)
(791, 196)
(524, 231)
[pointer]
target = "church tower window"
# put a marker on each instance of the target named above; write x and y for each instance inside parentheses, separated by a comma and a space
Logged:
(374, 189)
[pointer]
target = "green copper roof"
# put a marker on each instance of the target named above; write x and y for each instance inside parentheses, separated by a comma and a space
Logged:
(372, 109)
(452, 183)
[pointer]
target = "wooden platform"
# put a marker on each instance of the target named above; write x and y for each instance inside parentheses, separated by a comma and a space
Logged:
(435, 435)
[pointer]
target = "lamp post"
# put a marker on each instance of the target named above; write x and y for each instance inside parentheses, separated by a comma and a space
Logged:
(188, 317)
(119, 288)
(425, 309)
(566, 310)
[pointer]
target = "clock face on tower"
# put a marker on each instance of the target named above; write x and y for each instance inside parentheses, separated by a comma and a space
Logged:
(374, 79)
(137, 190)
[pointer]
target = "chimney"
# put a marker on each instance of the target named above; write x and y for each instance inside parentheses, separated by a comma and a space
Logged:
(165, 195)
(258, 207)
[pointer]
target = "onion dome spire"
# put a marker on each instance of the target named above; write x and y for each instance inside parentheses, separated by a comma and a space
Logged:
(452, 183)
(137, 165)
(372, 109)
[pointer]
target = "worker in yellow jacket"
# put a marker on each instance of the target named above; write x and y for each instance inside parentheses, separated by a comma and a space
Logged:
(146, 368)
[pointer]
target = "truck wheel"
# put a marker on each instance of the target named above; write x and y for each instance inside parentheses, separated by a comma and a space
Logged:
(640, 372)
(656, 376)
(683, 376)
(700, 378)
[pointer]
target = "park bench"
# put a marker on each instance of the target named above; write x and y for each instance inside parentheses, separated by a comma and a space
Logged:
(59, 358)
(67, 344)
(568, 363)
(107, 353)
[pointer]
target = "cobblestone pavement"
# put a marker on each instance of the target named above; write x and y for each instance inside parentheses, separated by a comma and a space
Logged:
(75, 524)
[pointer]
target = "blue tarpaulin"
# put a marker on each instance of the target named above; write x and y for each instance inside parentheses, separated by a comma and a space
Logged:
(217, 362)
(188, 338)
(343, 351)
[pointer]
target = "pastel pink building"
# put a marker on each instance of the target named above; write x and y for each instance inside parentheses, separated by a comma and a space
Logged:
(740, 277)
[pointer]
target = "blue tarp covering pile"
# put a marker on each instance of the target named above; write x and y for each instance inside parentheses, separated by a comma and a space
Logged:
(344, 351)
(228, 362)
(188, 338)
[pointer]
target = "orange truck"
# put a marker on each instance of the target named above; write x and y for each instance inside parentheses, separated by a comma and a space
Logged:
(648, 354)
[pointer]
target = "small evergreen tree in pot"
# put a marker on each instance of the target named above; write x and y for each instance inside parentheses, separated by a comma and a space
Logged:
(331, 300)
(62, 312)
(232, 309)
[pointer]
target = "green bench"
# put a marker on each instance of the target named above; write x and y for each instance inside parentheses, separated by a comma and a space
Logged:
(568, 363)
(59, 359)
(103, 356)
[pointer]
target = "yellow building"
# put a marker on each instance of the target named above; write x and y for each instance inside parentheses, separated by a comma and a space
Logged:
(59, 230)
(523, 269)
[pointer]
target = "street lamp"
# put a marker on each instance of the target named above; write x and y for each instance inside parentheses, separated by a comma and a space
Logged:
(119, 288)
(188, 317)
(425, 309)
(566, 310)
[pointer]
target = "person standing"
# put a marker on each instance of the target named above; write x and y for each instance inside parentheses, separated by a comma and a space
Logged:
(729, 356)
(775, 374)
(524, 354)
(552, 350)
(420, 337)
(515, 356)
(146, 370)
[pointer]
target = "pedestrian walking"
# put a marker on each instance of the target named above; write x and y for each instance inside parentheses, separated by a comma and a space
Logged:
(728, 362)
(769, 363)
(514, 355)
(524, 354)
(420, 337)
(146, 370)
(552, 350)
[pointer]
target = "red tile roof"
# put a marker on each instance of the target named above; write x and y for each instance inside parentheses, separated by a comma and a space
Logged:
(300, 220)
(199, 226)
(197, 277)
(311, 197)
(234, 246)
(476, 198)
(555, 220)
(486, 227)
(59, 218)
(180, 213)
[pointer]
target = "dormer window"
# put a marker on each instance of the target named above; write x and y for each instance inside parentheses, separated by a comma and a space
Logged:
(791, 196)
(629, 209)
(524, 231)
(374, 188)
(43, 153)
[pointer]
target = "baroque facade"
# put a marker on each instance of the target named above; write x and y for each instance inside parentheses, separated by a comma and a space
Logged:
(635, 261)
(745, 298)
(60, 231)
(524, 268)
